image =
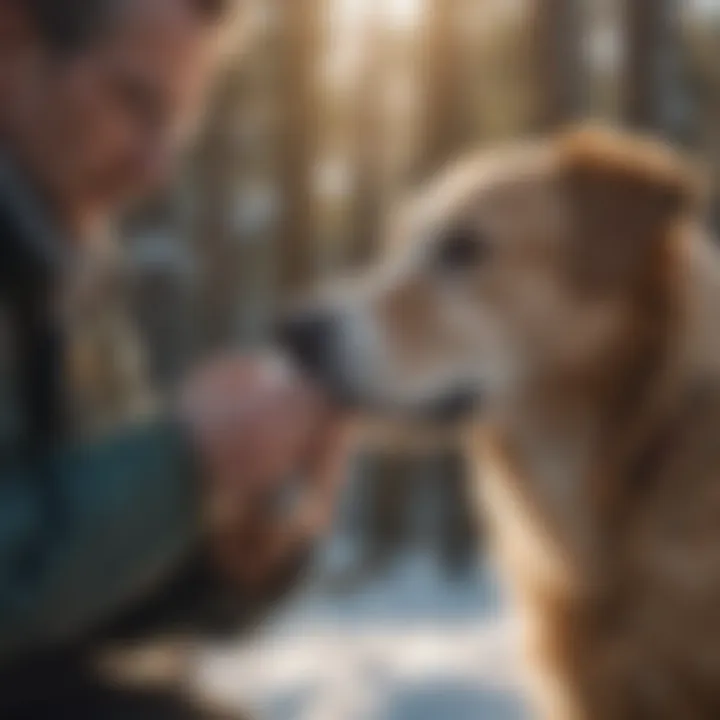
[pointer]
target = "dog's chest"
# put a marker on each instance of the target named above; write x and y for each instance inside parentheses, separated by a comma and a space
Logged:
(535, 499)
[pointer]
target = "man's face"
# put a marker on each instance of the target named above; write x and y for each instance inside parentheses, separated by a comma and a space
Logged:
(100, 125)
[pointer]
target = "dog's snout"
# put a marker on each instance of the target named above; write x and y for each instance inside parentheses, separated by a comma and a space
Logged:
(306, 337)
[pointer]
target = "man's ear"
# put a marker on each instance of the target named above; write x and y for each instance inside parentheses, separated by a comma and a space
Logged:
(626, 193)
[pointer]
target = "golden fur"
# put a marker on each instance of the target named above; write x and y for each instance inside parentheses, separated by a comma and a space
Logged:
(591, 328)
(616, 581)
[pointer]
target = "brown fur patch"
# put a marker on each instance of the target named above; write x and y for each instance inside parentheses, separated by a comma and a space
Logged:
(628, 193)
(613, 157)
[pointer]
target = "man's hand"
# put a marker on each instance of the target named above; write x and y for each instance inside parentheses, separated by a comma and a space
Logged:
(270, 450)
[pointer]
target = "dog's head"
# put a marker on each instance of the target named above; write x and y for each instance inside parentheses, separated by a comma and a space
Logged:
(516, 264)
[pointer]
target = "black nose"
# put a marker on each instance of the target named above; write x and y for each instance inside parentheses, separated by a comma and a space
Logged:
(307, 338)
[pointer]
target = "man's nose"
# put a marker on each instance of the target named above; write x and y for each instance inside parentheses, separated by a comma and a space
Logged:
(307, 338)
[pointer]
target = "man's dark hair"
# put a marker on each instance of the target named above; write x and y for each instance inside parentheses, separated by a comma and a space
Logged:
(69, 24)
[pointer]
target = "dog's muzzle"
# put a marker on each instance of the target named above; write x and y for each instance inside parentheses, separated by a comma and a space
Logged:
(310, 339)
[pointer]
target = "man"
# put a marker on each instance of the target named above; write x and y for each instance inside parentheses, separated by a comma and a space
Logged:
(95, 99)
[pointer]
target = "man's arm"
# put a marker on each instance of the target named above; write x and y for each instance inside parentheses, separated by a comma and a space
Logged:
(122, 516)
(99, 527)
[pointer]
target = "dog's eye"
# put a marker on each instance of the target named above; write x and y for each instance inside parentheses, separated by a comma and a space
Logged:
(462, 248)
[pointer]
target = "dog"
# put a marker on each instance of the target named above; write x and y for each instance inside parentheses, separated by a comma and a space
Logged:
(560, 300)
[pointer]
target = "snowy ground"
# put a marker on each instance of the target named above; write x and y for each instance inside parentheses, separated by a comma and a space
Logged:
(410, 645)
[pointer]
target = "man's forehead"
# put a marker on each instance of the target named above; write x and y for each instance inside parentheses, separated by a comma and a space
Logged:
(124, 17)
(160, 42)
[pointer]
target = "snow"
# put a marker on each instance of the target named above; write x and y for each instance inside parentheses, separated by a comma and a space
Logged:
(408, 645)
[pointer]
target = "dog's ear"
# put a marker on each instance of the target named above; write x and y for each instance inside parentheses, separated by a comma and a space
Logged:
(626, 194)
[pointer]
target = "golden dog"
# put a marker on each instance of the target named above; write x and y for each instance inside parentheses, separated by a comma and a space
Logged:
(567, 291)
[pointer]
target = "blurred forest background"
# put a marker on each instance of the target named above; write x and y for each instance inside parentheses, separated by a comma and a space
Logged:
(330, 110)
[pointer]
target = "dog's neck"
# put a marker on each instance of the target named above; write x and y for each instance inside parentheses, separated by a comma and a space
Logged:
(570, 462)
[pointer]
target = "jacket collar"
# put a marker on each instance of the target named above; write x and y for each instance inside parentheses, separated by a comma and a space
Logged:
(31, 244)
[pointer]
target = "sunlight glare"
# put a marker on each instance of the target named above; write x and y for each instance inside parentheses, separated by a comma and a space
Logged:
(402, 14)
(349, 13)
(397, 14)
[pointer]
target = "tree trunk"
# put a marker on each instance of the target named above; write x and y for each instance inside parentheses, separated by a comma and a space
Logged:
(367, 206)
(561, 67)
(213, 232)
(651, 98)
(300, 20)
(443, 94)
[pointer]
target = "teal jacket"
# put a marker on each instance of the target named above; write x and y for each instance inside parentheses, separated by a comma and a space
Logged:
(123, 517)
(92, 517)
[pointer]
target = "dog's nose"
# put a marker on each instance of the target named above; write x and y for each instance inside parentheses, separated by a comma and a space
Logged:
(306, 337)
